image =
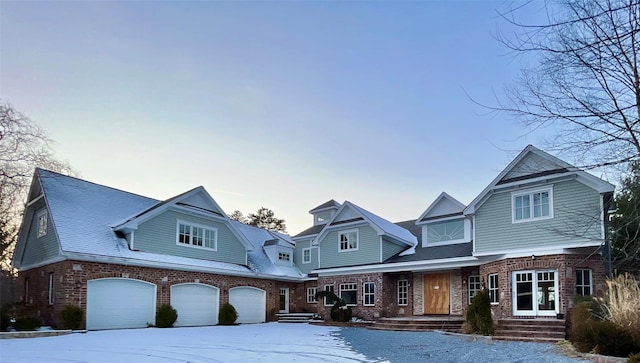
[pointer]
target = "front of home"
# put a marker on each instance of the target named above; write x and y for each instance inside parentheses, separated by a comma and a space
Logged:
(535, 237)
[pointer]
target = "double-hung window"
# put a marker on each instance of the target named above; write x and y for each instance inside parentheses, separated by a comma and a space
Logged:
(403, 292)
(349, 293)
(42, 223)
(532, 205)
(306, 255)
(583, 282)
(51, 292)
(474, 286)
(493, 288)
(311, 294)
(369, 293)
(197, 236)
(348, 240)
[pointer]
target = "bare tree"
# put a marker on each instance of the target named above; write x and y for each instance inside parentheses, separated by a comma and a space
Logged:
(23, 147)
(584, 81)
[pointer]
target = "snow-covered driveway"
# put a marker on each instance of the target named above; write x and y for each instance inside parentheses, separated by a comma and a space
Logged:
(270, 342)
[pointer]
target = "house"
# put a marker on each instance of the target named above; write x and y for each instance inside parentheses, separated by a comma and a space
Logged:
(535, 237)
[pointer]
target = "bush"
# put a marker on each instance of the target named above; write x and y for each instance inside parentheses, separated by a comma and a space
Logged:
(479, 314)
(227, 315)
(29, 322)
(621, 303)
(5, 319)
(341, 312)
(634, 358)
(72, 317)
(166, 316)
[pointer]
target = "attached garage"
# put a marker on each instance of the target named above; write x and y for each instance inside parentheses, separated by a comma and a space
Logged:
(250, 303)
(197, 304)
(119, 303)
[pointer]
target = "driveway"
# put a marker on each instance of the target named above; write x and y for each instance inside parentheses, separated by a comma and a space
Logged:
(271, 342)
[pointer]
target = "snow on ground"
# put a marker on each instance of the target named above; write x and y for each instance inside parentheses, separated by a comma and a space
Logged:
(271, 342)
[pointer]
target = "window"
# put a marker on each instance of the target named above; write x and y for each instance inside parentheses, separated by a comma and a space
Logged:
(311, 294)
(282, 256)
(306, 255)
(445, 231)
(348, 240)
(349, 293)
(196, 236)
(583, 282)
(42, 223)
(474, 286)
(369, 293)
(51, 288)
(403, 292)
(493, 288)
(532, 206)
(323, 217)
(327, 288)
(26, 291)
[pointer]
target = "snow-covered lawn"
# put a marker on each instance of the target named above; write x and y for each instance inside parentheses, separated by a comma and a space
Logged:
(271, 342)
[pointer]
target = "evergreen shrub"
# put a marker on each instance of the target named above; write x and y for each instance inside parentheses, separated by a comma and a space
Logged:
(28, 322)
(227, 315)
(478, 315)
(72, 317)
(166, 316)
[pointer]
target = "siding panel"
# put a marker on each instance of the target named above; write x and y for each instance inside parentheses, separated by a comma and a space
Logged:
(389, 249)
(368, 248)
(297, 256)
(576, 210)
(43, 248)
(158, 235)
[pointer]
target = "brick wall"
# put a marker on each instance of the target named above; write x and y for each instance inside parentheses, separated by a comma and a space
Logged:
(359, 310)
(70, 286)
(390, 295)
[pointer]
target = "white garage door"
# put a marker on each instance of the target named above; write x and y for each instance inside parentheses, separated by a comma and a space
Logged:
(116, 303)
(250, 303)
(197, 304)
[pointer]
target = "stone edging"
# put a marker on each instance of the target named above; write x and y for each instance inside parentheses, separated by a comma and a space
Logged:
(37, 333)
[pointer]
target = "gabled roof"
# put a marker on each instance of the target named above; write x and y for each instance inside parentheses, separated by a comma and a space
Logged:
(533, 164)
(311, 231)
(444, 206)
(332, 204)
(381, 225)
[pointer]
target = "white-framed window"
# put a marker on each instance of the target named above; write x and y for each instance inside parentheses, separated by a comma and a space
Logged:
(584, 285)
(283, 256)
(534, 292)
(323, 217)
(51, 292)
(369, 294)
(311, 295)
(474, 286)
(26, 291)
(403, 292)
(532, 205)
(306, 255)
(444, 231)
(349, 293)
(348, 240)
(493, 288)
(193, 235)
(327, 288)
(43, 220)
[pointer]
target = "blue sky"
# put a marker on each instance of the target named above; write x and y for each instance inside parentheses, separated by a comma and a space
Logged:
(277, 104)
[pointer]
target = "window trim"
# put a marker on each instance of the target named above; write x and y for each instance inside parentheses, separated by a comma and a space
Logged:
(495, 289)
(190, 244)
(333, 290)
(303, 257)
(430, 225)
(51, 287)
(341, 233)
(582, 286)
(42, 215)
(475, 291)
(368, 294)
(354, 289)
(399, 292)
(311, 296)
(530, 193)
(284, 256)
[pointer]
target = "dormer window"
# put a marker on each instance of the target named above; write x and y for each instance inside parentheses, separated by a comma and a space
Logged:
(42, 223)
(532, 205)
(282, 256)
(196, 236)
(323, 217)
(348, 240)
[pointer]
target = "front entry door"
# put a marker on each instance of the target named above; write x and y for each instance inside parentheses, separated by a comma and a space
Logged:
(284, 300)
(436, 293)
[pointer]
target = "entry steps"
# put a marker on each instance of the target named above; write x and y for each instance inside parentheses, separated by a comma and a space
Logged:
(294, 317)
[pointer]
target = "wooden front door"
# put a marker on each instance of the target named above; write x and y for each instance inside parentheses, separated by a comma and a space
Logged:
(436, 293)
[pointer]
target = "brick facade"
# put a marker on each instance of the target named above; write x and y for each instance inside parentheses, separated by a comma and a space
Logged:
(70, 286)
(359, 310)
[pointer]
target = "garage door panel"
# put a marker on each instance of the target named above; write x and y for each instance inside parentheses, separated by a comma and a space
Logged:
(118, 303)
(197, 304)
(250, 303)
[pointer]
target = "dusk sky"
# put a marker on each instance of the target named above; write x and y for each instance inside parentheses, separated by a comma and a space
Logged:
(278, 104)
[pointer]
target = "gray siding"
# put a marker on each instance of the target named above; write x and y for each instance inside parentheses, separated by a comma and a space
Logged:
(576, 210)
(389, 249)
(43, 248)
(297, 256)
(368, 248)
(158, 235)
